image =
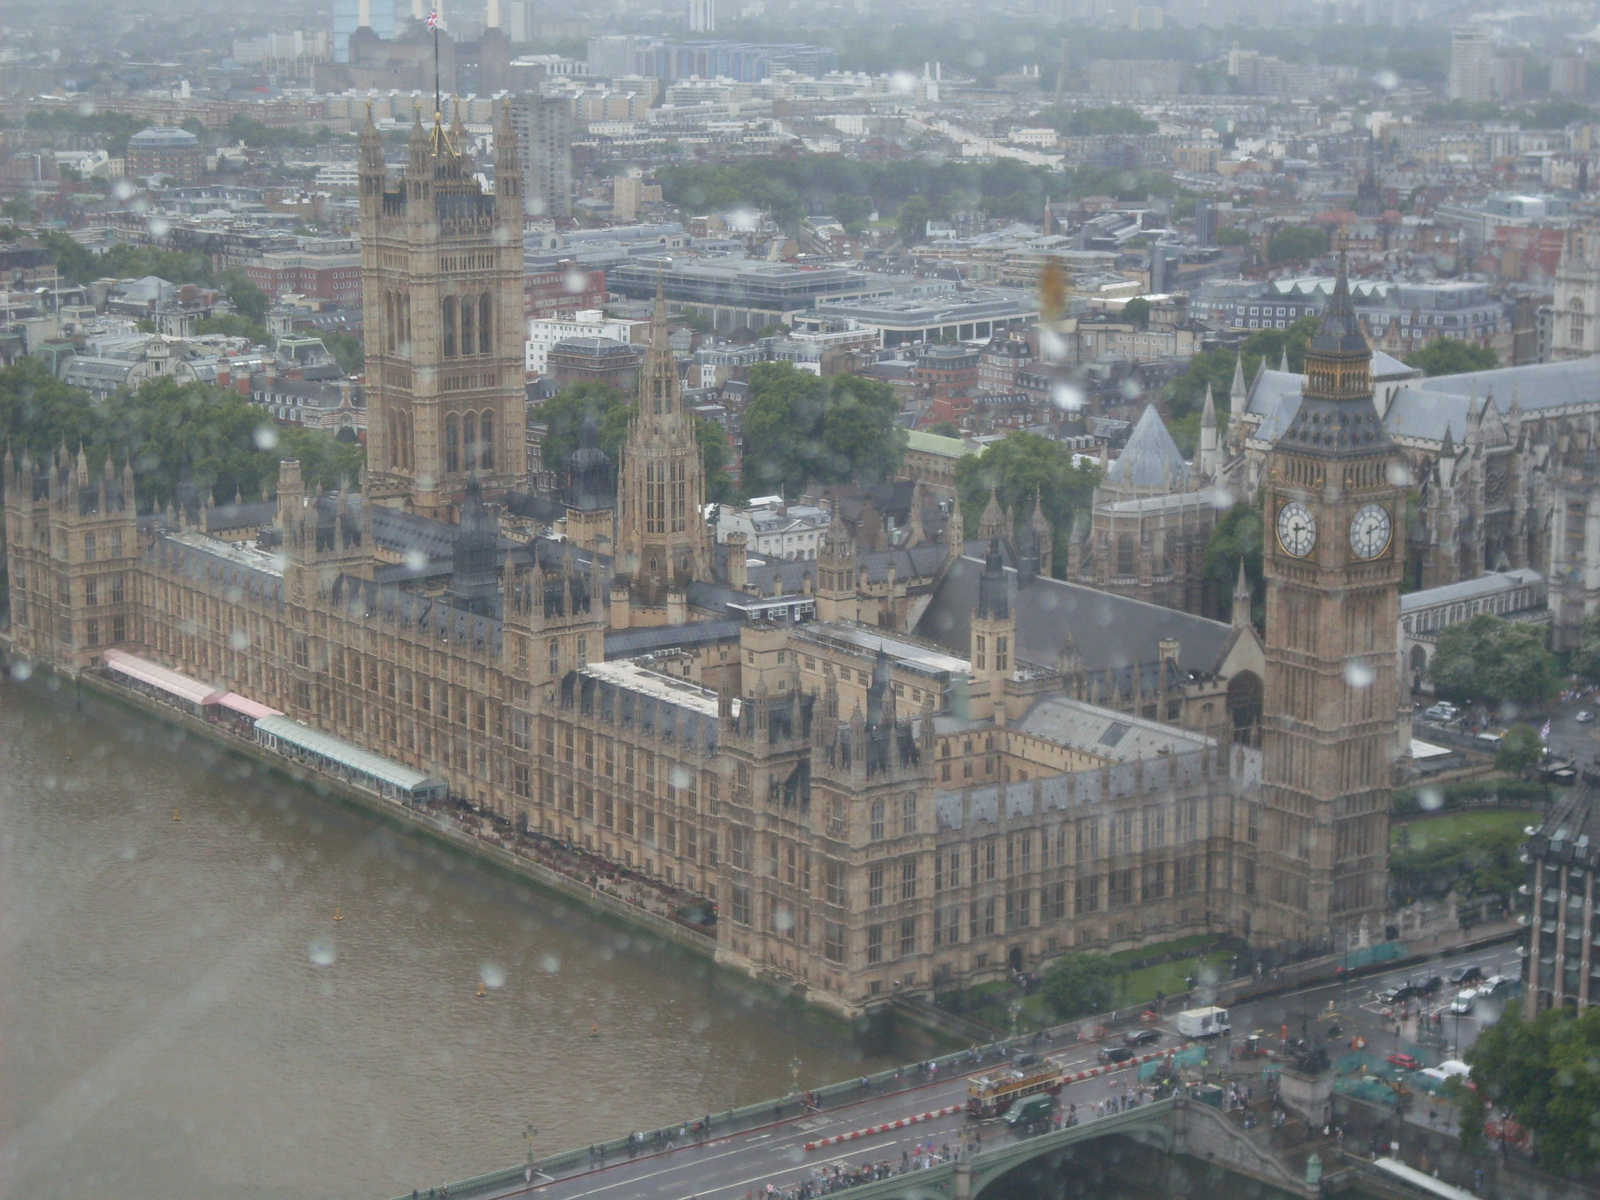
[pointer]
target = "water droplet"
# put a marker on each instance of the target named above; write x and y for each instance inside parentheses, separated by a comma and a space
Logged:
(266, 437)
(678, 777)
(1387, 80)
(492, 974)
(21, 670)
(550, 963)
(1359, 674)
(321, 951)
(159, 228)
(239, 640)
(129, 853)
(1067, 397)
(416, 560)
(1431, 799)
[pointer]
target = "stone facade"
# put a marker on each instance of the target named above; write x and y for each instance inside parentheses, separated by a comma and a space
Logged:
(441, 280)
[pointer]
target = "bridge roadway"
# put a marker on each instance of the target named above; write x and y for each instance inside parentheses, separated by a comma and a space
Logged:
(766, 1144)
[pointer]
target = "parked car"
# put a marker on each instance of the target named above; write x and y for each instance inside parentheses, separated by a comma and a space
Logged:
(1462, 976)
(1404, 1061)
(1141, 1037)
(1442, 712)
(1114, 1054)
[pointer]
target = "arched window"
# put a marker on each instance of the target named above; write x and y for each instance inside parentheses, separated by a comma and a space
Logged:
(391, 314)
(452, 444)
(1244, 707)
(485, 341)
(1125, 557)
(468, 314)
(1577, 321)
(469, 439)
(486, 440)
(447, 318)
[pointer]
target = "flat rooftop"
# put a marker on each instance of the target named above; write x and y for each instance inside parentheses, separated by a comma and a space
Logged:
(635, 677)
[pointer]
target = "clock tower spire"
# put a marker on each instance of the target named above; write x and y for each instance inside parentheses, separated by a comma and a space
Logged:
(1332, 508)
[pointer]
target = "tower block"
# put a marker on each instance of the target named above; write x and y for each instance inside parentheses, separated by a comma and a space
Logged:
(441, 277)
(1334, 556)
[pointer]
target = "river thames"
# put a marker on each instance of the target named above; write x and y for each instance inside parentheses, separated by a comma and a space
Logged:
(182, 1016)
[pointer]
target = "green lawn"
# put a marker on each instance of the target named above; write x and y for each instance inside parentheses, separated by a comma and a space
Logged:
(1141, 986)
(1449, 827)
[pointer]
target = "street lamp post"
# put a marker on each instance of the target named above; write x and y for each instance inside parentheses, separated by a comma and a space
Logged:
(530, 1132)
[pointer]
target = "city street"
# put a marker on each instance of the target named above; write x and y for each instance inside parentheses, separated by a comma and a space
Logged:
(727, 1168)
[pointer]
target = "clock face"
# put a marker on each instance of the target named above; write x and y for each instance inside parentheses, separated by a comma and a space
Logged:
(1297, 529)
(1369, 531)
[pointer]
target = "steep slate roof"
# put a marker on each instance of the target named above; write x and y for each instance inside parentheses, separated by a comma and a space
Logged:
(1151, 458)
(1422, 409)
(1111, 631)
(1176, 772)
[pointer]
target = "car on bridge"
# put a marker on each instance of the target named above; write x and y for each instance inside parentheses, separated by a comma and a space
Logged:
(1114, 1054)
(1031, 1113)
(1462, 976)
(1141, 1037)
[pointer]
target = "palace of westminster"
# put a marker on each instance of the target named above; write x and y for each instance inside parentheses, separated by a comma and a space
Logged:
(917, 761)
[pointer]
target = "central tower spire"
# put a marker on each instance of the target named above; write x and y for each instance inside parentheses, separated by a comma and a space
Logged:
(663, 541)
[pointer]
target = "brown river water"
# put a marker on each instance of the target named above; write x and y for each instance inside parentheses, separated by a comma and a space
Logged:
(182, 1017)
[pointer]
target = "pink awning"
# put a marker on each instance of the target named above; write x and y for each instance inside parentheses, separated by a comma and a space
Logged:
(250, 708)
(160, 677)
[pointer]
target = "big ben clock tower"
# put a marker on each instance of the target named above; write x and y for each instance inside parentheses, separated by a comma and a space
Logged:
(1332, 514)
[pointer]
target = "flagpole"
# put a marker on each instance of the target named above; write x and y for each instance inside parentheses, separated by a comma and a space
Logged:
(437, 102)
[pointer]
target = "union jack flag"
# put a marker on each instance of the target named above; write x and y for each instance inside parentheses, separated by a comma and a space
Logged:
(433, 18)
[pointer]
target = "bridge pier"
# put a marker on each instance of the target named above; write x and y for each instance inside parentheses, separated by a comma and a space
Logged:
(961, 1181)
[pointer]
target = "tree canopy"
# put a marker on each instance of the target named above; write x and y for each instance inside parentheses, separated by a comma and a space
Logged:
(168, 431)
(1452, 356)
(1492, 661)
(1084, 122)
(1017, 469)
(1236, 536)
(564, 414)
(1546, 1074)
(802, 429)
(1586, 660)
(1080, 985)
(1520, 748)
(1296, 243)
(1487, 862)
(789, 188)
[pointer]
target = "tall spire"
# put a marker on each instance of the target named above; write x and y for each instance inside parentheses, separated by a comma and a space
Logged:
(994, 604)
(1242, 599)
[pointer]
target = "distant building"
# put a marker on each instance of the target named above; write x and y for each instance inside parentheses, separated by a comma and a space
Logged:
(931, 458)
(1137, 77)
(165, 150)
(1478, 74)
(544, 137)
(545, 335)
(1520, 594)
(563, 290)
(1561, 965)
(595, 360)
(702, 16)
(1150, 520)
(774, 530)
(1568, 76)
(320, 276)
(1575, 327)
